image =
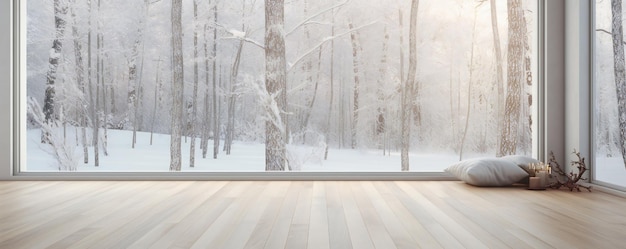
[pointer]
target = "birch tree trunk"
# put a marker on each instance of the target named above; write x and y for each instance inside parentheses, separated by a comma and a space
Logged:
(97, 113)
(619, 71)
(499, 65)
(275, 84)
(232, 96)
(307, 70)
(356, 48)
(216, 116)
(92, 95)
(194, 98)
(177, 86)
(307, 114)
(134, 81)
(469, 89)
(80, 70)
(104, 97)
(60, 11)
(407, 89)
(332, 86)
(157, 89)
(515, 62)
(382, 102)
(204, 142)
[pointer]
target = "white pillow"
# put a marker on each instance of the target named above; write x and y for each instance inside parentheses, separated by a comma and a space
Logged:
(521, 161)
(487, 172)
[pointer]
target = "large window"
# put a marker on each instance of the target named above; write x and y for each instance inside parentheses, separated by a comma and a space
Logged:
(609, 94)
(150, 86)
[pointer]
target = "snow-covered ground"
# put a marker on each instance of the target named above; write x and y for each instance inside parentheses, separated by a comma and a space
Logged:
(245, 157)
(250, 157)
(611, 170)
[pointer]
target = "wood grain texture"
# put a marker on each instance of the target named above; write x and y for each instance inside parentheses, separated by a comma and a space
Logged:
(304, 214)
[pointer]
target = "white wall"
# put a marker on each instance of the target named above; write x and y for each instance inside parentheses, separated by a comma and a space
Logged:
(5, 84)
(578, 79)
(554, 78)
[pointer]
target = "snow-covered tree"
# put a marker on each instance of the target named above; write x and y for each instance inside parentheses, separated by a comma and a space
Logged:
(60, 149)
(194, 98)
(515, 74)
(60, 12)
(499, 65)
(619, 71)
(177, 86)
(407, 88)
(275, 81)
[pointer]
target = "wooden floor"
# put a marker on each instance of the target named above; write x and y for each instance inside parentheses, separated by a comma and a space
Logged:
(304, 215)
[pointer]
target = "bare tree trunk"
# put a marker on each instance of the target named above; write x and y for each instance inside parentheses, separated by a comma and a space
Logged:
(92, 95)
(60, 11)
(307, 70)
(356, 48)
(157, 88)
(469, 89)
(509, 132)
(112, 94)
(138, 100)
(275, 81)
(104, 90)
(620, 74)
(216, 118)
(382, 101)
(80, 70)
(97, 113)
(342, 114)
(453, 111)
(232, 98)
(407, 90)
(204, 142)
(499, 65)
(402, 73)
(311, 103)
(177, 86)
(332, 87)
(133, 81)
(230, 122)
(194, 98)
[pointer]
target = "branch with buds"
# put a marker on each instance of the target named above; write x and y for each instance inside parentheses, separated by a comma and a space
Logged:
(571, 179)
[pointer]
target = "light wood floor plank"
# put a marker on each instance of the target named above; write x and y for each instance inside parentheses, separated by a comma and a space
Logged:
(398, 233)
(221, 229)
(416, 229)
(359, 235)
(338, 232)
(244, 214)
(379, 234)
(277, 237)
(318, 224)
(298, 236)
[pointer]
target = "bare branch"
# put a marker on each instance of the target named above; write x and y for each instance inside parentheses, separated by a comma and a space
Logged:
(246, 39)
(327, 39)
(609, 33)
(308, 19)
(239, 35)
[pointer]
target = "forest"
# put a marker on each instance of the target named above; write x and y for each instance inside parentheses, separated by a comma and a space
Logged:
(609, 93)
(399, 79)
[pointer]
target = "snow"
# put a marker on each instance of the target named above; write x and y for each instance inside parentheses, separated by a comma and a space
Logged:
(610, 170)
(237, 34)
(245, 157)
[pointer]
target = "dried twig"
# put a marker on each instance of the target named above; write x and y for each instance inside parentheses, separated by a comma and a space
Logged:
(571, 179)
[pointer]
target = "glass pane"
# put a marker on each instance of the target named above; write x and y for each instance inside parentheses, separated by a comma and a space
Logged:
(610, 91)
(124, 85)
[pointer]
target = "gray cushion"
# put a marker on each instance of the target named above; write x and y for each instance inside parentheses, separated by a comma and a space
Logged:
(522, 161)
(487, 172)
